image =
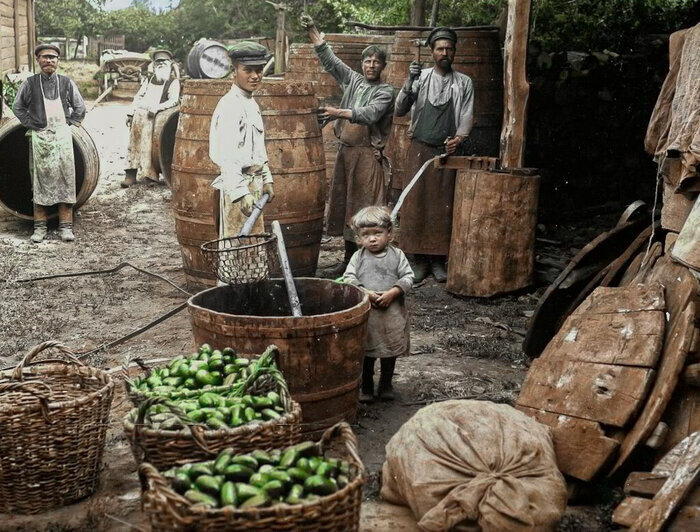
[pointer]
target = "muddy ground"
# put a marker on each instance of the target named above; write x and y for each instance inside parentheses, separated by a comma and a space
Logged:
(461, 348)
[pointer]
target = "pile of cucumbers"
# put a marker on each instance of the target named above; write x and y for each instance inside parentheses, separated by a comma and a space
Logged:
(202, 370)
(215, 410)
(259, 479)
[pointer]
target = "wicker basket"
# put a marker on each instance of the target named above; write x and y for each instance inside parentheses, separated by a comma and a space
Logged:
(339, 512)
(168, 448)
(53, 422)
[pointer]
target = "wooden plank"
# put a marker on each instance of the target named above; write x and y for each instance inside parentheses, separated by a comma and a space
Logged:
(516, 88)
(618, 266)
(672, 494)
(691, 374)
(648, 262)
(680, 286)
(607, 299)
(682, 416)
(581, 447)
(552, 308)
(17, 34)
(687, 519)
(672, 361)
(647, 485)
(598, 392)
(630, 338)
(458, 162)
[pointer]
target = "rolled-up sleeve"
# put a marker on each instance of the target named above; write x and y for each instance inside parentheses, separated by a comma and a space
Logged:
(77, 104)
(342, 73)
(405, 99)
(380, 105)
(466, 112)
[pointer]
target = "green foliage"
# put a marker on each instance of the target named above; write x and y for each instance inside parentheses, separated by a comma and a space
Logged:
(68, 18)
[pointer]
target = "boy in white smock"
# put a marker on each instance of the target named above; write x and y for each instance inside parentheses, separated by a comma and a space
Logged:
(383, 271)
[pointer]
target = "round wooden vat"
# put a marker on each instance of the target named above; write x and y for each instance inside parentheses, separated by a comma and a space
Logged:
(492, 249)
(478, 55)
(16, 181)
(321, 352)
(295, 150)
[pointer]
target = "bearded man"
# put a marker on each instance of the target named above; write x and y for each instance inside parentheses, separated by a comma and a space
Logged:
(156, 94)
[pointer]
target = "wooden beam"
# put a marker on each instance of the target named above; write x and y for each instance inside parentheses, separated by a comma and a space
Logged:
(31, 31)
(516, 88)
(17, 30)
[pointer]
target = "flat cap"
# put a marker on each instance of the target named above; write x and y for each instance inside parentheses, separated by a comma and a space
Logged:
(249, 53)
(41, 47)
(161, 54)
(441, 33)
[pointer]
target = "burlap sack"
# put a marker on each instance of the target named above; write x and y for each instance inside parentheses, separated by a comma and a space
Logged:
(471, 465)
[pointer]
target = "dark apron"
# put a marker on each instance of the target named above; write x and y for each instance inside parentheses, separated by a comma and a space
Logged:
(426, 215)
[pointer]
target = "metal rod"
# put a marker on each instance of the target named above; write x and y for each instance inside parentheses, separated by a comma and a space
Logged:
(408, 187)
(287, 271)
(412, 28)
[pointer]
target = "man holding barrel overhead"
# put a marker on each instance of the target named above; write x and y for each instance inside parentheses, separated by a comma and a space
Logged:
(363, 123)
(441, 102)
(156, 94)
(237, 142)
(48, 104)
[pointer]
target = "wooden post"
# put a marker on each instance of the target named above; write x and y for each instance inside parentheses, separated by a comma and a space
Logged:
(31, 37)
(18, 57)
(280, 38)
(516, 87)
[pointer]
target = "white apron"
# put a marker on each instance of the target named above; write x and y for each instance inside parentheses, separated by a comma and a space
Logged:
(52, 163)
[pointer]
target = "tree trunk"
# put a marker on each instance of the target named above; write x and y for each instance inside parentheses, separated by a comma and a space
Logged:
(418, 12)
(434, 13)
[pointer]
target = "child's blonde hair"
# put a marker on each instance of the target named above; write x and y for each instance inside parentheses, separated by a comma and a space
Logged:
(373, 216)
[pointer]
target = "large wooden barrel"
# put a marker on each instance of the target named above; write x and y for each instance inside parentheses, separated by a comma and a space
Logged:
(478, 54)
(16, 181)
(295, 150)
(492, 249)
(320, 353)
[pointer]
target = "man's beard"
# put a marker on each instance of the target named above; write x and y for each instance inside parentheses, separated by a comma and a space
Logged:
(161, 74)
(445, 63)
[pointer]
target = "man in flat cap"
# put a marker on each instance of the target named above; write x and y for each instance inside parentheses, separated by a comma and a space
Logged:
(48, 104)
(362, 125)
(157, 94)
(441, 102)
(237, 142)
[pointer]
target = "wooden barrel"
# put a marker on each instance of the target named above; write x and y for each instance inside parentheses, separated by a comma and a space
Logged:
(208, 60)
(125, 90)
(303, 63)
(320, 353)
(295, 150)
(492, 249)
(478, 55)
(163, 141)
(16, 181)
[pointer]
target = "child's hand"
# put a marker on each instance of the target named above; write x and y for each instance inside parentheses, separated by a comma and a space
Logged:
(387, 298)
(373, 296)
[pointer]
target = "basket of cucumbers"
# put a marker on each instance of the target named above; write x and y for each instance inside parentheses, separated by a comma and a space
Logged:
(247, 415)
(54, 415)
(295, 488)
(207, 369)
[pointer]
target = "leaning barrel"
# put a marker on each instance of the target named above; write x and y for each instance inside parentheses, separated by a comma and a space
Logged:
(163, 140)
(478, 55)
(295, 151)
(208, 59)
(16, 181)
(320, 352)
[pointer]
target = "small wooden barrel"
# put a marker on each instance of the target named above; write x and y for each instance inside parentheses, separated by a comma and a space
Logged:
(163, 140)
(126, 90)
(492, 250)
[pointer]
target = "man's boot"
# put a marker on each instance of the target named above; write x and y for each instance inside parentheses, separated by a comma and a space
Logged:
(367, 388)
(39, 232)
(129, 178)
(350, 249)
(385, 391)
(437, 268)
(420, 264)
(65, 222)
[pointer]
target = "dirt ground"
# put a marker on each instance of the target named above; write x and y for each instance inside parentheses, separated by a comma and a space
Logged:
(461, 348)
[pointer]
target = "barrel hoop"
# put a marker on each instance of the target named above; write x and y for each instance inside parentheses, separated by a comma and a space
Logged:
(317, 426)
(301, 169)
(326, 394)
(297, 136)
(298, 216)
(187, 170)
(287, 112)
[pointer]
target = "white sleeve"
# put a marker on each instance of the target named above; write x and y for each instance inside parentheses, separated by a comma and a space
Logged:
(224, 141)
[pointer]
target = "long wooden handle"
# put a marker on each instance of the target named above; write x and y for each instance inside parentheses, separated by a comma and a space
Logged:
(257, 211)
(287, 271)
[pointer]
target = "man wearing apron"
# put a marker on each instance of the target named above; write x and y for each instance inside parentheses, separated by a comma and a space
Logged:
(441, 102)
(237, 142)
(48, 104)
(363, 125)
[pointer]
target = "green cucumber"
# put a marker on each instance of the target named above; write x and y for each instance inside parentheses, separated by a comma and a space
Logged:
(268, 414)
(221, 462)
(275, 398)
(216, 423)
(208, 484)
(303, 463)
(266, 469)
(274, 488)
(228, 494)
(229, 351)
(181, 483)
(298, 474)
(198, 497)
(282, 476)
(258, 501)
(246, 460)
(238, 472)
(198, 470)
(320, 485)
(295, 494)
(343, 481)
(246, 491)
(261, 456)
(289, 458)
(306, 449)
(326, 470)
(258, 479)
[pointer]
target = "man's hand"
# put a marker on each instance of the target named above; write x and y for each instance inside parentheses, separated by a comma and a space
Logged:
(267, 189)
(327, 113)
(387, 298)
(306, 22)
(452, 144)
(377, 154)
(414, 70)
(128, 120)
(246, 204)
